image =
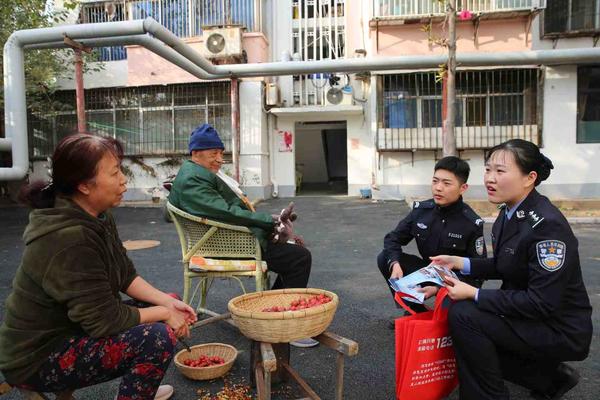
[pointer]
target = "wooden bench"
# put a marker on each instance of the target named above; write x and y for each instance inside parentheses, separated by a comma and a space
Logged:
(29, 395)
(270, 363)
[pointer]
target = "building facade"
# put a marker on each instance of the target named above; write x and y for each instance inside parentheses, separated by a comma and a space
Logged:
(339, 133)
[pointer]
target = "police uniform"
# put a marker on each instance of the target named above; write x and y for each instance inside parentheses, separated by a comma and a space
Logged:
(540, 316)
(454, 229)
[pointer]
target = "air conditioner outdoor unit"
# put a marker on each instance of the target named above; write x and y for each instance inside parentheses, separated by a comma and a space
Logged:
(222, 42)
(339, 91)
(337, 96)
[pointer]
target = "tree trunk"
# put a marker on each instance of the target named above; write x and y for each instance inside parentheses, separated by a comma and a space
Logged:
(449, 137)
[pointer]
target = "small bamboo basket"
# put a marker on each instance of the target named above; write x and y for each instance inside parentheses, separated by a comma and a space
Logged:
(227, 352)
(281, 327)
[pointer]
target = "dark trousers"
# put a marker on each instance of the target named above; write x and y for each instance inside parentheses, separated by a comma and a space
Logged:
(291, 262)
(488, 351)
(409, 264)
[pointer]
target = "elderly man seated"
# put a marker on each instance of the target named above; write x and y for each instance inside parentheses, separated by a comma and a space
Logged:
(201, 189)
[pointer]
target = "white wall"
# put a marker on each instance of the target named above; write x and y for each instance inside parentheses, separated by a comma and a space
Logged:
(254, 145)
(359, 142)
(110, 74)
(311, 155)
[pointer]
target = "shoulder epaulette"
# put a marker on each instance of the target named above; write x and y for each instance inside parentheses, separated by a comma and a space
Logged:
(472, 215)
(424, 204)
(534, 218)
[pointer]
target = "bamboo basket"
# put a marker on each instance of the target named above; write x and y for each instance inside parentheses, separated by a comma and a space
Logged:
(281, 327)
(227, 352)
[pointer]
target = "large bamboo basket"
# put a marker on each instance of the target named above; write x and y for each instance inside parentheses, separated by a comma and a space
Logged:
(229, 354)
(281, 327)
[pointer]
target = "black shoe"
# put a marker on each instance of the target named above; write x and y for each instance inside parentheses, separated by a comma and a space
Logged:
(568, 378)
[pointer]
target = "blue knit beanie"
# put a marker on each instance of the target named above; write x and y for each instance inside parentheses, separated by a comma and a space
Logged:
(205, 137)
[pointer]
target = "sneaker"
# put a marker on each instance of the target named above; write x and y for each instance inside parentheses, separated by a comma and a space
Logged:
(164, 392)
(308, 342)
(569, 377)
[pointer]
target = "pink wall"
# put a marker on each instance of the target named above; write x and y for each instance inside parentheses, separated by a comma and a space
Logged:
(146, 68)
(493, 36)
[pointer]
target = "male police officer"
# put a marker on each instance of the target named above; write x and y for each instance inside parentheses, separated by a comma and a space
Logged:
(441, 225)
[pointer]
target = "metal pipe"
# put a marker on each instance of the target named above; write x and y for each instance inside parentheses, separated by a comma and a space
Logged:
(80, 93)
(181, 54)
(143, 40)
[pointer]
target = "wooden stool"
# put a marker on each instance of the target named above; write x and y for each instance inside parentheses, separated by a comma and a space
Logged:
(29, 395)
(265, 359)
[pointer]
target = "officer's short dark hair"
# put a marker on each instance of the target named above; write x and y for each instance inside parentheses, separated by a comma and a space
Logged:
(458, 167)
(527, 156)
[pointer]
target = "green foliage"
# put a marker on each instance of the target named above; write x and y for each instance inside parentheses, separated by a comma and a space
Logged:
(42, 67)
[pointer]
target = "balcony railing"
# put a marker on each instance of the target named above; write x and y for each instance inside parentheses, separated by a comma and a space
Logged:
(185, 18)
(423, 8)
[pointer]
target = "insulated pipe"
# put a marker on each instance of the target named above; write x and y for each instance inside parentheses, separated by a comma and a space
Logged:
(547, 57)
(144, 40)
(15, 105)
(164, 35)
(180, 53)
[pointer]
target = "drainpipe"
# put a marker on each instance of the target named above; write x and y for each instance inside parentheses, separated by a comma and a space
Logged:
(270, 130)
(235, 127)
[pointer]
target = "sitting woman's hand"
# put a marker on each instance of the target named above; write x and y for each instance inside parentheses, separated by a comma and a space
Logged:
(178, 322)
(176, 305)
(458, 290)
(452, 262)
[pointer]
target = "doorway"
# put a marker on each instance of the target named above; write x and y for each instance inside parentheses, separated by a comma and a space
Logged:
(321, 158)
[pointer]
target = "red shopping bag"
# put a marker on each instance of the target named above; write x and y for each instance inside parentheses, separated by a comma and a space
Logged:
(425, 363)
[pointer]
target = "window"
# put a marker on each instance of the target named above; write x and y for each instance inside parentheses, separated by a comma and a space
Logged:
(490, 105)
(571, 17)
(185, 18)
(588, 105)
(154, 120)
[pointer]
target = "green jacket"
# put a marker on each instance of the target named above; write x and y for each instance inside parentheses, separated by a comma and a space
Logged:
(198, 191)
(68, 283)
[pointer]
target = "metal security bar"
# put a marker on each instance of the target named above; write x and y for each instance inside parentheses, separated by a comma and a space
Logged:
(152, 120)
(571, 17)
(318, 33)
(492, 106)
(417, 8)
(185, 18)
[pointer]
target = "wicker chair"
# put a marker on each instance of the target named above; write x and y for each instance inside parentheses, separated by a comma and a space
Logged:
(222, 245)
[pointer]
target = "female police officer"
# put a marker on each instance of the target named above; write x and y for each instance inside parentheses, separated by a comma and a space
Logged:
(541, 315)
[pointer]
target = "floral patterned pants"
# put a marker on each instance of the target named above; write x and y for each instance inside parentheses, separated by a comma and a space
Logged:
(140, 355)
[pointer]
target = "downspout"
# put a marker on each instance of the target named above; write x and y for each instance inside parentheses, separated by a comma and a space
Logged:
(270, 130)
(235, 127)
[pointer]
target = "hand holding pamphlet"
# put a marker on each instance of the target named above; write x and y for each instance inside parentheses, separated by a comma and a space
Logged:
(408, 285)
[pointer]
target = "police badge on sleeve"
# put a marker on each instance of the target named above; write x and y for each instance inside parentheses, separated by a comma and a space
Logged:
(479, 243)
(551, 254)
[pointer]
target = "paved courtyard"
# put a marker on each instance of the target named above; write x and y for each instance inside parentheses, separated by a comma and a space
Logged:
(344, 235)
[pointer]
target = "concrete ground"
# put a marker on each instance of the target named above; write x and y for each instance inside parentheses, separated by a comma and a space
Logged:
(344, 235)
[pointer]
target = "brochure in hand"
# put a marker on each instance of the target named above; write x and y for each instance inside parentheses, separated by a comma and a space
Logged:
(408, 285)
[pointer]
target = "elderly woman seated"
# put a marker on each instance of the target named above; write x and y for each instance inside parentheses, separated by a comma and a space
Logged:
(65, 325)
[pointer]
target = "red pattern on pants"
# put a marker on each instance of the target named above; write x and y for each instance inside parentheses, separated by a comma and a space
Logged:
(141, 355)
